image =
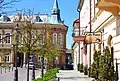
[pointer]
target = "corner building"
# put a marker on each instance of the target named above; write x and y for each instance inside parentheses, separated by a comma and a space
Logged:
(41, 21)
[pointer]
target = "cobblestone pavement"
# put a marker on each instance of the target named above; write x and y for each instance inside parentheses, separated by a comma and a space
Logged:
(71, 75)
(22, 75)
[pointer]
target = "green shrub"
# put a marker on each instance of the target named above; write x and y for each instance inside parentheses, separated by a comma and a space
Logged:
(85, 70)
(48, 75)
(95, 65)
(106, 67)
(81, 67)
(78, 66)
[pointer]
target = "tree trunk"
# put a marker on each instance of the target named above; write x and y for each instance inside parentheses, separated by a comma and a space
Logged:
(42, 67)
(28, 66)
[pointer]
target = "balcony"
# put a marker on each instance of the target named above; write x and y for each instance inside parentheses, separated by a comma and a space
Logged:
(114, 1)
(112, 6)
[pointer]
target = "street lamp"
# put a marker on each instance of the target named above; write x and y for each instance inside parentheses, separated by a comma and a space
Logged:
(15, 46)
(33, 68)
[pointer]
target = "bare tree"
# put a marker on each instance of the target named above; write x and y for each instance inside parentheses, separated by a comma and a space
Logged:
(6, 4)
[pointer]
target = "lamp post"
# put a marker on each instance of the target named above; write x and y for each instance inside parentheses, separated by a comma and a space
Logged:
(15, 46)
(33, 69)
(116, 74)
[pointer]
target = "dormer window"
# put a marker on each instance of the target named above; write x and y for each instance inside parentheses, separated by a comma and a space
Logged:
(4, 18)
(38, 19)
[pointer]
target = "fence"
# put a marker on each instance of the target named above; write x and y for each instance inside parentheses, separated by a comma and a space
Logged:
(5, 69)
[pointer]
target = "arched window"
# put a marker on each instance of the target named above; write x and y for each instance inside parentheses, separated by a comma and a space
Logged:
(7, 38)
(60, 39)
(54, 38)
(41, 40)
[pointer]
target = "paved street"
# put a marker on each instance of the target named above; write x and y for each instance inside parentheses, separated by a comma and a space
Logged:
(9, 76)
(71, 75)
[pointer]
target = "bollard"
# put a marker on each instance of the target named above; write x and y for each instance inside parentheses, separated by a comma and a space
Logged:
(1, 70)
(9, 69)
(12, 68)
(58, 79)
(5, 69)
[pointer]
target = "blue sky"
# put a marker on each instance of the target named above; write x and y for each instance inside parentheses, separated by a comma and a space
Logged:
(68, 10)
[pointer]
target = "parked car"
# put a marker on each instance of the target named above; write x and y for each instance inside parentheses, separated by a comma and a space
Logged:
(31, 65)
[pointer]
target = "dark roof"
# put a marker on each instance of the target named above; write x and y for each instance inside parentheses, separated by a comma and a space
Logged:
(4, 18)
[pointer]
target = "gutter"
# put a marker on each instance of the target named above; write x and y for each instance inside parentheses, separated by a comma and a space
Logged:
(80, 4)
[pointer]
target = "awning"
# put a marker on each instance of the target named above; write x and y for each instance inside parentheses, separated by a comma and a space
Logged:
(78, 38)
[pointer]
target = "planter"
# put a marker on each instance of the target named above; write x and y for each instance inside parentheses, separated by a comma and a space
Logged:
(81, 67)
(78, 66)
(85, 70)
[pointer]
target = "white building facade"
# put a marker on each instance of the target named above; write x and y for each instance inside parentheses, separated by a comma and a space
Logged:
(103, 18)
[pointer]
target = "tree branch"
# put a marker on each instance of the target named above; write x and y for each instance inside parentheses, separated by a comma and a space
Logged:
(4, 4)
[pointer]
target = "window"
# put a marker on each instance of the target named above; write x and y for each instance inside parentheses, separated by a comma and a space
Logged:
(31, 58)
(56, 58)
(32, 37)
(118, 26)
(60, 39)
(39, 59)
(19, 38)
(7, 39)
(41, 39)
(7, 58)
(54, 38)
(0, 38)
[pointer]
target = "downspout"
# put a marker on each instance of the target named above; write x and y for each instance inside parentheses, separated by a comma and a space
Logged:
(79, 35)
(90, 39)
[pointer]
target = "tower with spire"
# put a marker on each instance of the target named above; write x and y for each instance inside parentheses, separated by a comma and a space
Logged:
(55, 17)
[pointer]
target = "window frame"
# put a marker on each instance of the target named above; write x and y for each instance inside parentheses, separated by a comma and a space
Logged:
(54, 38)
(8, 38)
(8, 58)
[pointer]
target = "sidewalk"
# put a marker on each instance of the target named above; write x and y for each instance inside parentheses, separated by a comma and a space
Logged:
(22, 75)
(72, 75)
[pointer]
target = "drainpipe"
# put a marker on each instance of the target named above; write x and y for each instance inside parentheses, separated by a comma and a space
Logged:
(79, 35)
(90, 39)
(116, 74)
